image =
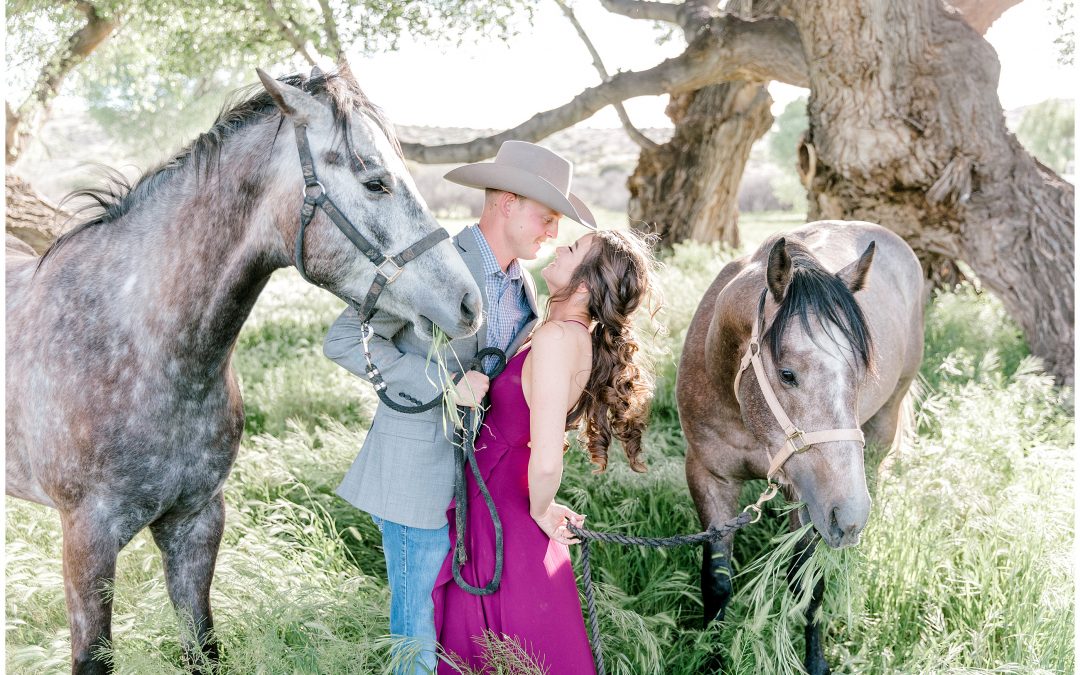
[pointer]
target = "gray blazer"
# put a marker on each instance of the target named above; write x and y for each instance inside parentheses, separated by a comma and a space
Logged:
(405, 470)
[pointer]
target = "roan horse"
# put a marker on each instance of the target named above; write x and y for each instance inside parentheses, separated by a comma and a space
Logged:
(839, 347)
(123, 409)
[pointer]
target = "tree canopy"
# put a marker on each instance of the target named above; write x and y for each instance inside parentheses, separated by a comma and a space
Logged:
(157, 59)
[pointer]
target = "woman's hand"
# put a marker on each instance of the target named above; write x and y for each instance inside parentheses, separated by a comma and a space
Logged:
(553, 523)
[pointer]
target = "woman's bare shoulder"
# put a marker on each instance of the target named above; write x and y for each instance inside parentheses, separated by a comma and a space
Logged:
(561, 337)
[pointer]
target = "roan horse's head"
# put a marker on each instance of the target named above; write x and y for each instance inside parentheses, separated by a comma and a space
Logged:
(818, 356)
(359, 165)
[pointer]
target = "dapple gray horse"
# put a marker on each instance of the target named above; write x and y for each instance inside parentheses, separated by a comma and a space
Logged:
(831, 316)
(123, 409)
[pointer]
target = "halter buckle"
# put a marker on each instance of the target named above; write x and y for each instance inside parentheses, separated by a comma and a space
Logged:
(366, 331)
(389, 277)
(798, 440)
(308, 186)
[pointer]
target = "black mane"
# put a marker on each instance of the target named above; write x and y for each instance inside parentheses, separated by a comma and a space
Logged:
(815, 291)
(248, 105)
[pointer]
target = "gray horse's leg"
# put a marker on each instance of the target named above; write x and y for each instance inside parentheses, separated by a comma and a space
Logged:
(717, 501)
(189, 545)
(90, 550)
(815, 662)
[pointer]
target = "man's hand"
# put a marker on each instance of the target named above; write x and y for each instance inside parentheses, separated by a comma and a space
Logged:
(553, 523)
(471, 389)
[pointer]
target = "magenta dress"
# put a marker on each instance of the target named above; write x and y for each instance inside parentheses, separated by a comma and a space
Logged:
(537, 602)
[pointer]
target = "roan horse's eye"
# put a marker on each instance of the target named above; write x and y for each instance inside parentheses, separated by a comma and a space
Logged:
(376, 185)
(788, 377)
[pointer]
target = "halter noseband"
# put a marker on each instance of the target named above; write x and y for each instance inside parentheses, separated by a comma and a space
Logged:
(387, 268)
(796, 439)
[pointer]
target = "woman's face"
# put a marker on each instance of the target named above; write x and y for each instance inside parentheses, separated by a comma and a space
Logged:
(567, 258)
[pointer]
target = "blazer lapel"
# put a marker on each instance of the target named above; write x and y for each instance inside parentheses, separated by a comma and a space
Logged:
(474, 260)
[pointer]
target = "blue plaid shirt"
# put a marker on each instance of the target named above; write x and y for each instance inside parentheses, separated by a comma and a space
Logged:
(508, 308)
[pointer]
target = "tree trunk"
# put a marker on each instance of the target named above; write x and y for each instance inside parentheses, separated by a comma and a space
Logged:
(30, 217)
(906, 130)
(688, 187)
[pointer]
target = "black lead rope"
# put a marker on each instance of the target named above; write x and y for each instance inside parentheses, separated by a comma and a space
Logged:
(712, 534)
(464, 451)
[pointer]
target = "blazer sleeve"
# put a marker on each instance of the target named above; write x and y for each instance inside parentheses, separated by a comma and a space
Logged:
(411, 378)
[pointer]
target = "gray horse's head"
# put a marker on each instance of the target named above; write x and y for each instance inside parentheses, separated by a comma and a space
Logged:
(818, 356)
(359, 163)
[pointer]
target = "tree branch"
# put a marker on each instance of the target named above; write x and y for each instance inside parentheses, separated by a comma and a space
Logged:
(35, 109)
(331, 31)
(728, 49)
(981, 14)
(287, 31)
(643, 9)
(633, 132)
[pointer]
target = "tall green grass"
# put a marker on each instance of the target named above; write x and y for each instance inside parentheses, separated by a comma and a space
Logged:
(965, 565)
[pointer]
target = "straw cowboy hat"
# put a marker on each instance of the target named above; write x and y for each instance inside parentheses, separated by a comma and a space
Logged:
(531, 171)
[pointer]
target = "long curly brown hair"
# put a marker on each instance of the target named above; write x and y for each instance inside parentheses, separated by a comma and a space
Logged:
(617, 271)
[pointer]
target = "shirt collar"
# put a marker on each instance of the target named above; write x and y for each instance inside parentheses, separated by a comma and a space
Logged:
(491, 264)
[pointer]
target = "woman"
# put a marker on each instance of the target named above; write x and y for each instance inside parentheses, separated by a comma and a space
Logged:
(580, 367)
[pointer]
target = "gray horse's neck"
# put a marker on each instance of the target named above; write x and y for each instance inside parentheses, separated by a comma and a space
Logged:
(179, 272)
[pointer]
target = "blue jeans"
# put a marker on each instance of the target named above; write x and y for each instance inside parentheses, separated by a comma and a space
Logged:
(414, 556)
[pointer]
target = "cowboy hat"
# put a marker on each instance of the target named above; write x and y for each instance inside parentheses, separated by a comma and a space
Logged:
(531, 171)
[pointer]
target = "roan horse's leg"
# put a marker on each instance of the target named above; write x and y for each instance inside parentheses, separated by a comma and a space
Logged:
(815, 662)
(90, 549)
(717, 501)
(189, 545)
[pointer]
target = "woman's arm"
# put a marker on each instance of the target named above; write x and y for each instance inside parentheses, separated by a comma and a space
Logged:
(555, 354)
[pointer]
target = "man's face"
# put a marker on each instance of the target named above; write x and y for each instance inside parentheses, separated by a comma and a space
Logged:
(530, 225)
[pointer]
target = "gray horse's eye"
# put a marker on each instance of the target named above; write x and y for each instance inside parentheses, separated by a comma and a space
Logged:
(788, 377)
(376, 185)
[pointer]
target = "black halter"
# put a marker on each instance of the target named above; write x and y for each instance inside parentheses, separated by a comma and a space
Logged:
(387, 268)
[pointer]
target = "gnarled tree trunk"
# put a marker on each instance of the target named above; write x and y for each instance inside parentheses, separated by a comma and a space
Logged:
(30, 217)
(688, 188)
(906, 130)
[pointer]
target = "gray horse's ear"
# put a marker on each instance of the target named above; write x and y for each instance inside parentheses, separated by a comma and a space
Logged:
(855, 275)
(778, 273)
(346, 72)
(294, 103)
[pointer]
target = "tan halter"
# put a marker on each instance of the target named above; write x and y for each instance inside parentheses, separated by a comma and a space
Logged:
(797, 440)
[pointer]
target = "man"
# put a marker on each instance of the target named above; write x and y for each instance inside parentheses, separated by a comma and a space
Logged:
(404, 474)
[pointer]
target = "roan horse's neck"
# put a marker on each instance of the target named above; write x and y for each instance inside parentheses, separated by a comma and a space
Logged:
(179, 272)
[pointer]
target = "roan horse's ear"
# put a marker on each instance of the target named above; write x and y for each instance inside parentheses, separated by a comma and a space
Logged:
(854, 275)
(294, 103)
(778, 273)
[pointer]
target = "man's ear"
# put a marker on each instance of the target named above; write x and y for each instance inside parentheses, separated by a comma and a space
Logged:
(297, 105)
(505, 202)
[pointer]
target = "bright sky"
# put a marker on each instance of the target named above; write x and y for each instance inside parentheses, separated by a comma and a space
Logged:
(497, 85)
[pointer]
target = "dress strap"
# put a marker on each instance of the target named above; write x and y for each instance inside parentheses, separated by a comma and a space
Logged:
(579, 323)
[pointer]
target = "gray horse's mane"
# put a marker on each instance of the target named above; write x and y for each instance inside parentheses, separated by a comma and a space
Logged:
(813, 290)
(248, 105)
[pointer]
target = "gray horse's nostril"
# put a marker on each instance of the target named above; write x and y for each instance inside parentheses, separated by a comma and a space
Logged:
(470, 308)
